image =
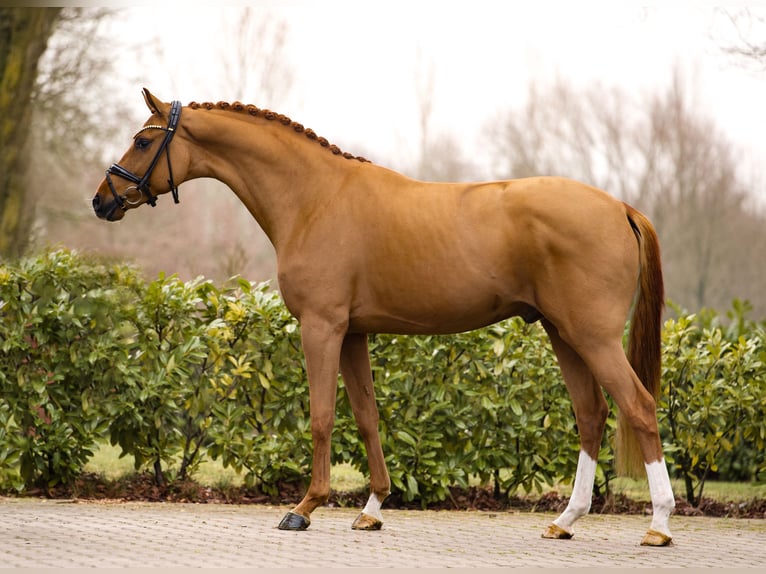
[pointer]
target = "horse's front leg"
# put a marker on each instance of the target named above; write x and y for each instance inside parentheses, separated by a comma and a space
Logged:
(357, 375)
(321, 341)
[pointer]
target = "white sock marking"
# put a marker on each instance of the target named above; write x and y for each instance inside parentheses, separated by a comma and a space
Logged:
(663, 501)
(579, 503)
(372, 508)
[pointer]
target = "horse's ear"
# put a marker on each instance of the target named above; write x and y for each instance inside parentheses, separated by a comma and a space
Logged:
(156, 106)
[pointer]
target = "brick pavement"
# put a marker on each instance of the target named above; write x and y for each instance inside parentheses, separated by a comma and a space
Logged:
(44, 533)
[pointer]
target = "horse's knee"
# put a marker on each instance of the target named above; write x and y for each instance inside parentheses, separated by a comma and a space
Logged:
(368, 426)
(321, 428)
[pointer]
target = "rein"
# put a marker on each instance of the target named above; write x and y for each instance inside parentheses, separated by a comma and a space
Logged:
(142, 183)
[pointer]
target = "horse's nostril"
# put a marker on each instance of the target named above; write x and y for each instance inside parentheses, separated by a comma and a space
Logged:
(96, 202)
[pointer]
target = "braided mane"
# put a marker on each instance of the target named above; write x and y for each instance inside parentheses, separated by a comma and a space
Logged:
(282, 119)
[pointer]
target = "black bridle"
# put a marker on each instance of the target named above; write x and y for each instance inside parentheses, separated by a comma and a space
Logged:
(142, 183)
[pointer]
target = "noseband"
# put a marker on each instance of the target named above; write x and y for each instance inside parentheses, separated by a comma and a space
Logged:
(142, 183)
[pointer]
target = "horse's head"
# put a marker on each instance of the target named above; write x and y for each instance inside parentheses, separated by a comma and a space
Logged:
(141, 176)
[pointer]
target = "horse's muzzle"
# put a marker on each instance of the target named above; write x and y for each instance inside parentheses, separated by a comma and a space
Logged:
(108, 210)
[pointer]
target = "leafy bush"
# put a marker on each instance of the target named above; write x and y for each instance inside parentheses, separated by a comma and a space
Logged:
(262, 422)
(63, 351)
(713, 401)
(174, 372)
(160, 395)
(473, 404)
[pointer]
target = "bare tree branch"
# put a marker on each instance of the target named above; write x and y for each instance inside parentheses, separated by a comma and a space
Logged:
(748, 47)
(255, 62)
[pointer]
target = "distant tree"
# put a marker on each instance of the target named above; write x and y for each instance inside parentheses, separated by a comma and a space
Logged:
(255, 64)
(697, 195)
(741, 35)
(64, 120)
(439, 157)
(254, 68)
(661, 154)
(24, 35)
(75, 109)
(77, 116)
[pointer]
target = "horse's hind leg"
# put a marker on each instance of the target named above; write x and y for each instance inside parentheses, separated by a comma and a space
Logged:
(613, 372)
(357, 376)
(591, 411)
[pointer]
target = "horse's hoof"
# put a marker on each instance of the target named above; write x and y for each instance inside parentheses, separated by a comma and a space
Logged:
(655, 538)
(366, 522)
(293, 521)
(556, 532)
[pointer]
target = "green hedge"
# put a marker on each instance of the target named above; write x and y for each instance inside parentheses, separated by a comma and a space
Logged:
(175, 372)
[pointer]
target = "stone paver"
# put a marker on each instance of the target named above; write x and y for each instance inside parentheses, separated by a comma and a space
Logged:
(43, 533)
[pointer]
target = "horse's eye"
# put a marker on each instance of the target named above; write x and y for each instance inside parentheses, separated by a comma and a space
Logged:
(142, 143)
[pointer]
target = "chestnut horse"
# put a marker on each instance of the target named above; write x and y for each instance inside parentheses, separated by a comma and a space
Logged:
(362, 249)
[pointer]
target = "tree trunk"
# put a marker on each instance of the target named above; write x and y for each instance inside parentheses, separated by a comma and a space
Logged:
(24, 34)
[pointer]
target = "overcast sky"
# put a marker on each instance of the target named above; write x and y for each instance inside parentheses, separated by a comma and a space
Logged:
(355, 63)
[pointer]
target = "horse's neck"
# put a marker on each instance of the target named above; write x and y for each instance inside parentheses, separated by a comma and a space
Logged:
(278, 175)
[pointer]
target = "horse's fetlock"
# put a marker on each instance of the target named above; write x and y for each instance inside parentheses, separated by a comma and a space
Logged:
(579, 508)
(320, 497)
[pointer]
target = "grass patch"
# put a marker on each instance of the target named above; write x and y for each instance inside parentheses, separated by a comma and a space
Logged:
(106, 462)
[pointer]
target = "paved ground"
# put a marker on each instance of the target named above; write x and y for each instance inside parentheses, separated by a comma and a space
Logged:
(41, 533)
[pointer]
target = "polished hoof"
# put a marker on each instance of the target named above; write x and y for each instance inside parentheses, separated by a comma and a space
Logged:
(556, 532)
(293, 521)
(366, 522)
(655, 538)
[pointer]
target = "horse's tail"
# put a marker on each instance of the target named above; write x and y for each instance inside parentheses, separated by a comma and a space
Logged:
(644, 341)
